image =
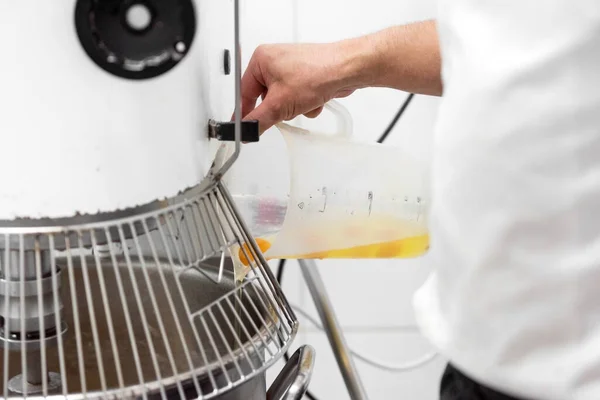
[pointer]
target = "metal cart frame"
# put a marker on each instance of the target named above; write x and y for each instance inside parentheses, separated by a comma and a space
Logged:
(332, 328)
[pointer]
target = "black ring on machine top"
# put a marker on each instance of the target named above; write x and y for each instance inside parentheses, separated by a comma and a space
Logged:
(127, 52)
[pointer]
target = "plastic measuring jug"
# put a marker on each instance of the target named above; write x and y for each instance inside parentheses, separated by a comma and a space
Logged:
(346, 198)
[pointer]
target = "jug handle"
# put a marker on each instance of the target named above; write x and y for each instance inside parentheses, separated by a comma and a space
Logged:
(343, 120)
(343, 117)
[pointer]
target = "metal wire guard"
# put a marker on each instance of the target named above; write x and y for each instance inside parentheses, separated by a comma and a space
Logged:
(145, 315)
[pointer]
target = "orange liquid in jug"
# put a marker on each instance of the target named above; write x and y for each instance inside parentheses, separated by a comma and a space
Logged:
(263, 245)
(401, 248)
(414, 246)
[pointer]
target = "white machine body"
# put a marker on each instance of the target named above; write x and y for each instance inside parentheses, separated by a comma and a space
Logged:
(77, 139)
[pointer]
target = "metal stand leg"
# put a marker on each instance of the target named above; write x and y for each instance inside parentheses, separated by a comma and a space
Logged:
(333, 329)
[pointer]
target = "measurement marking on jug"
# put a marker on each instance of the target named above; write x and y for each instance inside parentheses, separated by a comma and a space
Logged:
(370, 202)
(325, 203)
(301, 205)
(419, 211)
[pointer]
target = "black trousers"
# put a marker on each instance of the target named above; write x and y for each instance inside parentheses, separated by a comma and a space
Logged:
(456, 386)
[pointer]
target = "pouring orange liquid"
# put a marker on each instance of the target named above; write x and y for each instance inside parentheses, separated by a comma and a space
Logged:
(402, 248)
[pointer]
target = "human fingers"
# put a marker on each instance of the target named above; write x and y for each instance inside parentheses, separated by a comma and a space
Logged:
(252, 87)
(314, 113)
(268, 113)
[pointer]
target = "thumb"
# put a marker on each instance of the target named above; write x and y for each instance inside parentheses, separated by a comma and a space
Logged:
(268, 113)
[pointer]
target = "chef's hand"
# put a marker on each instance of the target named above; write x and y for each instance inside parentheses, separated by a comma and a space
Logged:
(296, 79)
(293, 80)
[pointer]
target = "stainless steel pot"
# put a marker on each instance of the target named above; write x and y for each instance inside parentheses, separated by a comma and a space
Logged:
(200, 290)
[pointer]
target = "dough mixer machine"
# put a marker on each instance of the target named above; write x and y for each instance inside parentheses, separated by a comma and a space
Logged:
(115, 225)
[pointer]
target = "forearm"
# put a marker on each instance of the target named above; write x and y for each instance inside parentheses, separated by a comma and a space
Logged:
(403, 57)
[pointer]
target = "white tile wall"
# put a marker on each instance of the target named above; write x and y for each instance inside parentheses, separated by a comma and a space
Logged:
(370, 293)
(372, 298)
(390, 347)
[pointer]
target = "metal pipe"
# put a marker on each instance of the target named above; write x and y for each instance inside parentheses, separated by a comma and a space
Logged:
(238, 91)
(332, 329)
(34, 368)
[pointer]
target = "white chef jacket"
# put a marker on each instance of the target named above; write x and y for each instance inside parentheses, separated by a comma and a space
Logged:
(514, 301)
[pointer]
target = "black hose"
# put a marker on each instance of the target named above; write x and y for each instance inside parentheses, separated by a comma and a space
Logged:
(396, 118)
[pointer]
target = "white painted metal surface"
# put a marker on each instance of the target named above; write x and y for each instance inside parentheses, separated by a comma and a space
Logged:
(76, 139)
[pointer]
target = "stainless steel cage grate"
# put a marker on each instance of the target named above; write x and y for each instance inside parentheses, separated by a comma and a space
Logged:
(132, 307)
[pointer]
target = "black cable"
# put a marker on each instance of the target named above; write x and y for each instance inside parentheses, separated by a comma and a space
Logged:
(397, 117)
(279, 276)
(381, 139)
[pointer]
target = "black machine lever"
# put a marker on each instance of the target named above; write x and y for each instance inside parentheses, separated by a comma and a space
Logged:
(225, 131)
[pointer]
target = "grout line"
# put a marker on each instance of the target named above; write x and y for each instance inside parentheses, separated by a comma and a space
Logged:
(295, 21)
(302, 291)
(405, 329)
